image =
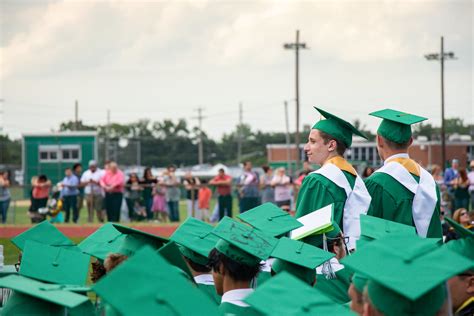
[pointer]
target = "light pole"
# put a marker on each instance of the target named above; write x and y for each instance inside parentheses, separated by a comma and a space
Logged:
(297, 46)
(441, 57)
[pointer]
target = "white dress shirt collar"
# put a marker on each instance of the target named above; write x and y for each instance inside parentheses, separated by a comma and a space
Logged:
(236, 297)
(402, 155)
(206, 279)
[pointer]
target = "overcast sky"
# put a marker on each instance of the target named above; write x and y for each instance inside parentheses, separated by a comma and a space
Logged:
(163, 59)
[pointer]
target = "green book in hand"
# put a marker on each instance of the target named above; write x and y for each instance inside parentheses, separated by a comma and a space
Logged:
(314, 223)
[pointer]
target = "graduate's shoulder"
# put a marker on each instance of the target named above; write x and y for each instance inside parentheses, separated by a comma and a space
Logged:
(380, 181)
(317, 178)
(380, 178)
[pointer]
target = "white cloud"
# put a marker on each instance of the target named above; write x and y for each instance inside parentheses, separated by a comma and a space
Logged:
(220, 52)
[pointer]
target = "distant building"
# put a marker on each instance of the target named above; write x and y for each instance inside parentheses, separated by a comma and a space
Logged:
(51, 153)
(363, 153)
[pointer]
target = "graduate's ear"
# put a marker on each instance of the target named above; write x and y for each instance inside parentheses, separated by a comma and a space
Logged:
(332, 145)
(221, 269)
(470, 285)
(380, 141)
(410, 142)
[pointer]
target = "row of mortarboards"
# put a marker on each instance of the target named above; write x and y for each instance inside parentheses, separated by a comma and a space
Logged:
(398, 272)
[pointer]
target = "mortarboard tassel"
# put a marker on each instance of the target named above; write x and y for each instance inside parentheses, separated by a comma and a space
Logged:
(327, 270)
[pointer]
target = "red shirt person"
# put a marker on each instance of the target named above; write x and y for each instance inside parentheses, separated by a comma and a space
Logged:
(113, 183)
(223, 183)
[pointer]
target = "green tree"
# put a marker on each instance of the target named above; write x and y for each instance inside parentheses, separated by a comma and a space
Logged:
(451, 125)
(10, 151)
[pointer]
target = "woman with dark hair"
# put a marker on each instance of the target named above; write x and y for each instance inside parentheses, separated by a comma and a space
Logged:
(268, 191)
(133, 197)
(461, 190)
(39, 197)
(148, 183)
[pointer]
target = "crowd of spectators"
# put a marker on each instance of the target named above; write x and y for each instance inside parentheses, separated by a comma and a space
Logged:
(110, 195)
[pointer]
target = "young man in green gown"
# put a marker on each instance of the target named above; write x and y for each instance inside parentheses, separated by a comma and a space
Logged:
(401, 190)
(336, 182)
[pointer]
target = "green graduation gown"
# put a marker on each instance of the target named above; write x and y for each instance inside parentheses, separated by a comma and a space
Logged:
(392, 201)
(210, 290)
(318, 191)
(22, 304)
(335, 288)
(262, 277)
(230, 309)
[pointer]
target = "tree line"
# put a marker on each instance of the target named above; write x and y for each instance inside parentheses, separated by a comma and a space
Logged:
(175, 142)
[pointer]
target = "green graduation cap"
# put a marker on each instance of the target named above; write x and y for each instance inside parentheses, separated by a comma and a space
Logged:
(285, 294)
(461, 231)
(375, 228)
(396, 125)
(135, 239)
(298, 258)
(195, 239)
(172, 254)
(54, 264)
(147, 273)
(45, 233)
(463, 246)
(359, 281)
(406, 273)
(337, 128)
(243, 243)
(107, 239)
(31, 297)
(270, 219)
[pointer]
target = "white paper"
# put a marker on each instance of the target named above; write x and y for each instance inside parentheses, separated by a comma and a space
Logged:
(313, 222)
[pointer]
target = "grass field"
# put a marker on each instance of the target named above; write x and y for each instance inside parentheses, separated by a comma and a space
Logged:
(17, 212)
(17, 215)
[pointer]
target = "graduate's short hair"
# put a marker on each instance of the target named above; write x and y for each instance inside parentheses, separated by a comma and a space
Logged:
(396, 146)
(98, 271)
(341, 147)
(337, 241)
(237, 271)
(113, 260)
(197, 267)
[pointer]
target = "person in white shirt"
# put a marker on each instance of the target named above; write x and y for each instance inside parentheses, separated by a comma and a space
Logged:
(94, 194)
(282, 184)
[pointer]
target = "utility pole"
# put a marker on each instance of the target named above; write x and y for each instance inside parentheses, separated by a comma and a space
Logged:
(239, 135)
(1, 115)
(297, 46)
(441, 57)
(107, 132)
(288, 153)
(76, 116)
(200, 117)
(139, 153)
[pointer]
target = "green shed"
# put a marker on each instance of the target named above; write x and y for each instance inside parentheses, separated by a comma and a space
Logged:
(51, 153)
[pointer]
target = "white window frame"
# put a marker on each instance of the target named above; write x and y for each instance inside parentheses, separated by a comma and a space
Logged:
(70, 148)
(58, 149)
